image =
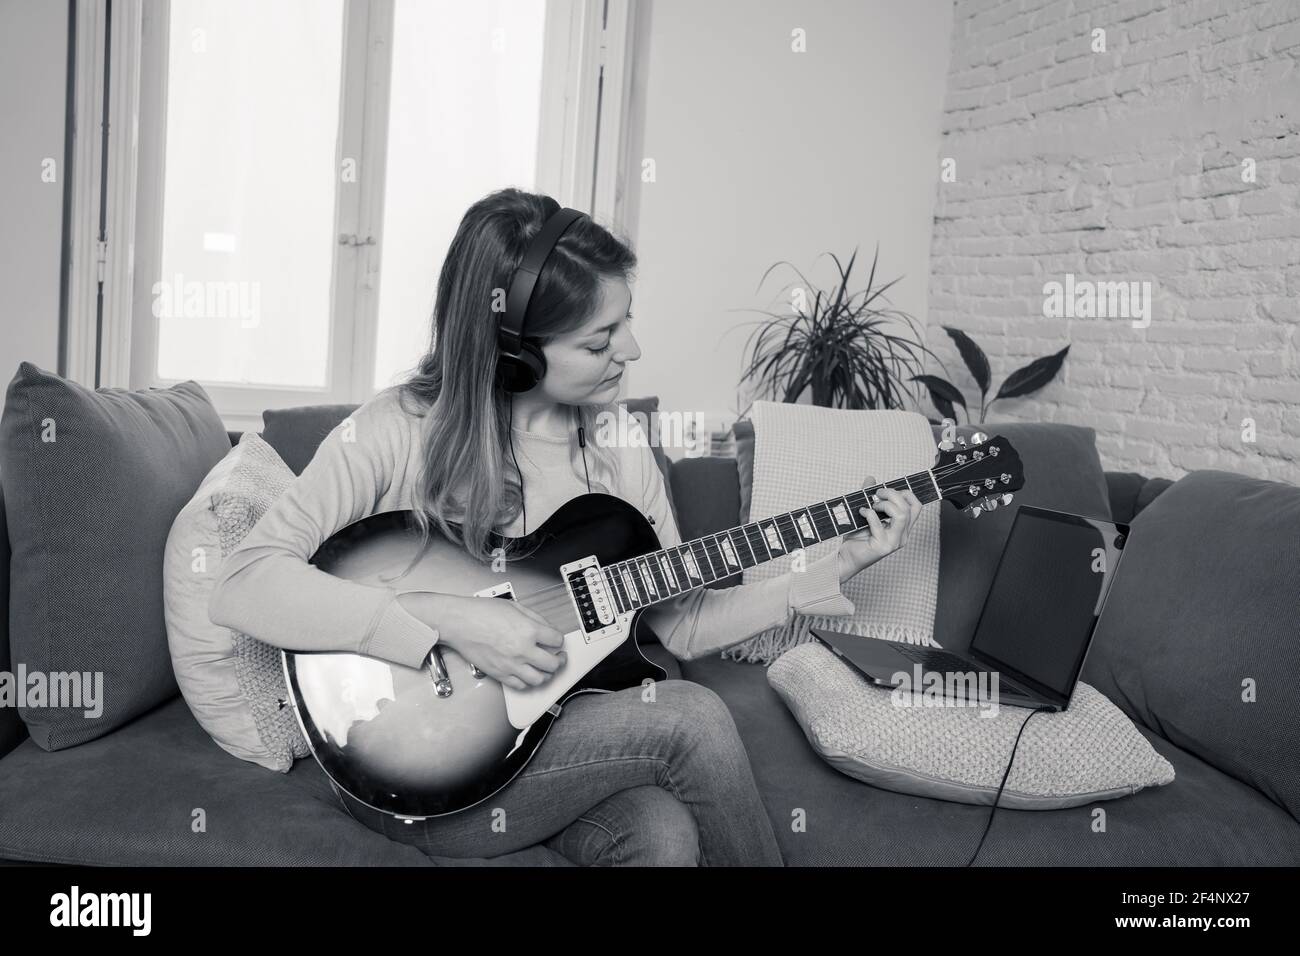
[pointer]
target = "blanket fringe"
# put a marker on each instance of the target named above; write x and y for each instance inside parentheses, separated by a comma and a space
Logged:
(766, 646)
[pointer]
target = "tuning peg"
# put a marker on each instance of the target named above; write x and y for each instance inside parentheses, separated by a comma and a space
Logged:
(961, 440)
(1006, 499)
(978, 438)
(989, 504)
(973, 511)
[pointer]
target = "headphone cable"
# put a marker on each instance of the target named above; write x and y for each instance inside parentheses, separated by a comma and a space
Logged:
(1006, 773)
(511, 439)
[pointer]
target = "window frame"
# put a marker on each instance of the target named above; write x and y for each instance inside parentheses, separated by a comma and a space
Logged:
(590, 123)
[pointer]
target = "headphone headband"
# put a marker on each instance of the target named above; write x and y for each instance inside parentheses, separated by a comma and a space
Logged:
(520, 295)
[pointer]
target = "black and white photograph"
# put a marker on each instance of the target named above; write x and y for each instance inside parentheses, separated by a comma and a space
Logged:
(746, 435)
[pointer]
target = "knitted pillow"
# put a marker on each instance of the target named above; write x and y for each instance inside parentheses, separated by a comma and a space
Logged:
(233, 683)
(1088, 752)
(806, 453)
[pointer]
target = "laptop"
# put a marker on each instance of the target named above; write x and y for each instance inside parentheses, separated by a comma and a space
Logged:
(1037, 623)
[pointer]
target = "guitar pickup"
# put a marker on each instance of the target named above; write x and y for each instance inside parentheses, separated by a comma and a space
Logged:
(598, 615)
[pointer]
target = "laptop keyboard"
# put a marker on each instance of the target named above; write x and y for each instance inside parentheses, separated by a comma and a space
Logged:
(935, 660)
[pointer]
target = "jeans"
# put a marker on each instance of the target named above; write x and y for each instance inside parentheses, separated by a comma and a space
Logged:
(618, 780)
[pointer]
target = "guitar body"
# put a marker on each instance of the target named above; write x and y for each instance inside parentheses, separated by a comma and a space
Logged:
(435, 740)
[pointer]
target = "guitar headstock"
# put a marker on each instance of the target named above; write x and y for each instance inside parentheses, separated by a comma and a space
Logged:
(978, 476)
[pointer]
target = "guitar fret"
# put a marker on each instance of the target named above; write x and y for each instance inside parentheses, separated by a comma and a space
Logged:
(707, 563)
(693, 569)
(669, 573)
(719, 556)
(752, 533)
(611, 587)
(653, 585)
(824, 522)
(642, 589)
(749, 547)
(679, 569)
(786, 536)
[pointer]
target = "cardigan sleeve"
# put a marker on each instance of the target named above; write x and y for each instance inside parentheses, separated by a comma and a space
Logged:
(708, 620)
(266, 588)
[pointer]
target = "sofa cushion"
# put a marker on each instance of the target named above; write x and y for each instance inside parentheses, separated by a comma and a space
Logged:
(12, 730)
(93, 480)
(823, 818)
(232, 682)
(907, 740)
(159, 792)
(1198, 640)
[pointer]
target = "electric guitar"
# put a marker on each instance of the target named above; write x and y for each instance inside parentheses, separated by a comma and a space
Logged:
(435, 740)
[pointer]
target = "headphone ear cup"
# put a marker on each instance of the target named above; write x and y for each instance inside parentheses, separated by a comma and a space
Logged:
(519, 373)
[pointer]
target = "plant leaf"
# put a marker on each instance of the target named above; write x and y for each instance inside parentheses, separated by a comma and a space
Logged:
(1033, 376)
(973, 356)
(943, 393)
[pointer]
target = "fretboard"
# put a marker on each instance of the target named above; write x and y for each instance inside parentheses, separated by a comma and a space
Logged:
(662, 575)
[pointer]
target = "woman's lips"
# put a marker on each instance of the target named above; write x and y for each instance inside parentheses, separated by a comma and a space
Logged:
(613, 378)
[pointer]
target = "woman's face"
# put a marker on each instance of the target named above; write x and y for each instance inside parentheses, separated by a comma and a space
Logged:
(586, 364)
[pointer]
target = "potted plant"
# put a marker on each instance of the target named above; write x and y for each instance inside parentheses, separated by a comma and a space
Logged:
(1029, 378)
(839, 345)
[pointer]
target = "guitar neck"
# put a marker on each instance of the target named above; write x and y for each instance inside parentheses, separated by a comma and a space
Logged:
(663, 575)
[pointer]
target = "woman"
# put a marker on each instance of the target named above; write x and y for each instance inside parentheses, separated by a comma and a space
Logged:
(621, 778)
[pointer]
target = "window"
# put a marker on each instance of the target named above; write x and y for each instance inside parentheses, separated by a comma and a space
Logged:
(304, 164)
(466, 84)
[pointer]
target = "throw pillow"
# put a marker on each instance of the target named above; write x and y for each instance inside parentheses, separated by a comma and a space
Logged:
(232, 682)
(808, 453)
(1088, 752)
(93, 480)
(1198, 641)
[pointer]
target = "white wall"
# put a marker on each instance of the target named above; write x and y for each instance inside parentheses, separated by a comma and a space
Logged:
(763, 154)
(33, 67)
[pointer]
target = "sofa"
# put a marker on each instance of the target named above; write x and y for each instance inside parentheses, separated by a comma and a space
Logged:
(1192, 617)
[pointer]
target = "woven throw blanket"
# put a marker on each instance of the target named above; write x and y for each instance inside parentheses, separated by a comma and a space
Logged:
(807, 453)
(258, 479)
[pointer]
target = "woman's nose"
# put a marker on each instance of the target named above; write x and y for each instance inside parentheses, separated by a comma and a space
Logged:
(629, 349)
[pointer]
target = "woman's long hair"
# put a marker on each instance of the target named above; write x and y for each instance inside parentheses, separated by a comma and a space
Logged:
(467, 474)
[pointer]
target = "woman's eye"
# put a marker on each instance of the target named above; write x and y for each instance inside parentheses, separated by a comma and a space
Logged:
(600, 351)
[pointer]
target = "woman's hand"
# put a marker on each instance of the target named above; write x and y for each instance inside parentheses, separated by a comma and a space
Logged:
(864, 548)
(510, 643)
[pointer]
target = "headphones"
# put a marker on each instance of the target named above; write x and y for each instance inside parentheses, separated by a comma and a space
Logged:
(520, 364)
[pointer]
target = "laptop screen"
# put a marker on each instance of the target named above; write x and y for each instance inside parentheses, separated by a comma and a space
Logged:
(1047, 592)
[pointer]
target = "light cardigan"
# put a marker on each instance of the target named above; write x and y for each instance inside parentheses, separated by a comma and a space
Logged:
(368, 464)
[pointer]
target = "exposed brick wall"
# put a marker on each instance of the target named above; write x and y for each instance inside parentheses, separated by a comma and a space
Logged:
(1128, 165)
